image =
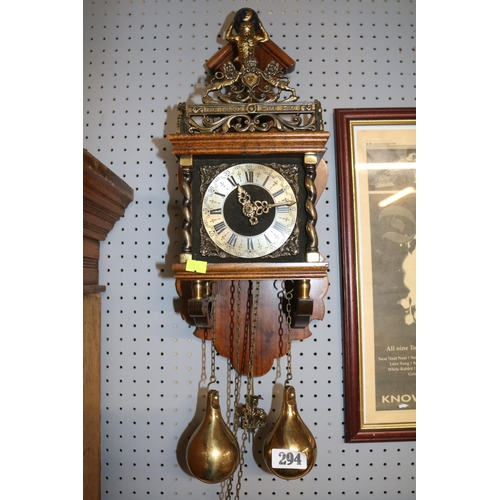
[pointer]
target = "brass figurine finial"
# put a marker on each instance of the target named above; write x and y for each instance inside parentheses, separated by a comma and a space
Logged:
(249, 83)
(247, 25)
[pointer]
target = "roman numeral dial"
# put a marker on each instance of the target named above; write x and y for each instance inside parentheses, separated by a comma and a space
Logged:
(249, 210)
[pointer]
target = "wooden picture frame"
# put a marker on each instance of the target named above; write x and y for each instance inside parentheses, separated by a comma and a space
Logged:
(376, 174)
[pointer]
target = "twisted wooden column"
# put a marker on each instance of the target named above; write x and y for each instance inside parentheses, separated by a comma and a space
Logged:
(312, 252)
(186, 163)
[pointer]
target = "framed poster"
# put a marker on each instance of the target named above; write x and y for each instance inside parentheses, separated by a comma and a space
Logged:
(376, 172)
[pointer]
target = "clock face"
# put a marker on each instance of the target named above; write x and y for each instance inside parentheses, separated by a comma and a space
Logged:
(249, 211)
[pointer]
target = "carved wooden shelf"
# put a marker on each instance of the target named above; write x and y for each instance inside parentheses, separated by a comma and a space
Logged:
(255, 271)
(105, 198)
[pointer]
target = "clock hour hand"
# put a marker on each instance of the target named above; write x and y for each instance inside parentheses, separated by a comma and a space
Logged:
(248, 208)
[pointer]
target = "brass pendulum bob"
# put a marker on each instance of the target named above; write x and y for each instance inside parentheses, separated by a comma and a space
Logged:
(290, 448)
(212, 452)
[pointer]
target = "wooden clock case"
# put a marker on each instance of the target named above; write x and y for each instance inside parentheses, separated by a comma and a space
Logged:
(306, 277)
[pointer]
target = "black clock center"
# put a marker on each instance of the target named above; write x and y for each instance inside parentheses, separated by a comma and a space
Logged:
(237, 216)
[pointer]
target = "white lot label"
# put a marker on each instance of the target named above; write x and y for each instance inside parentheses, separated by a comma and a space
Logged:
(288, 459)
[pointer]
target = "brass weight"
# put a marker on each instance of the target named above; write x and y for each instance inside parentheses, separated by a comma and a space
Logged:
(290, 433)
(213, 453)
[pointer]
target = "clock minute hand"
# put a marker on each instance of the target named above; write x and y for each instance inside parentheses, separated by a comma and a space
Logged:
(262, 207)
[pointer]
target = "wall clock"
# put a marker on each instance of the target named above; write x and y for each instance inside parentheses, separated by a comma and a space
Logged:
(250, 275)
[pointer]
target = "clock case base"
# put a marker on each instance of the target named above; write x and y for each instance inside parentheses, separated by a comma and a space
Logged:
(307, 282)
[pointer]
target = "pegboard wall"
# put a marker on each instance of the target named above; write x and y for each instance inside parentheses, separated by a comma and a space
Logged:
(142, 57)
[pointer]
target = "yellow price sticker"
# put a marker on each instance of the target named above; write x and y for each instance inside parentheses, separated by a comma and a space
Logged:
(196, 266)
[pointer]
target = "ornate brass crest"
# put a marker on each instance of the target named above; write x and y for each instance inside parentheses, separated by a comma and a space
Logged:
(245, 97)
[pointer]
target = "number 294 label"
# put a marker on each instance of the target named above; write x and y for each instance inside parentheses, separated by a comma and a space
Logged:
(288, 459)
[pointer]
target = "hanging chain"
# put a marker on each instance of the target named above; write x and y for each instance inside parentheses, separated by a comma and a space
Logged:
(252, 338)
(233, 328)
(247, 419)
(288, 296)
(203, 376)
(237, 385)
(252, 416)
(211, 313)
(212, 318)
